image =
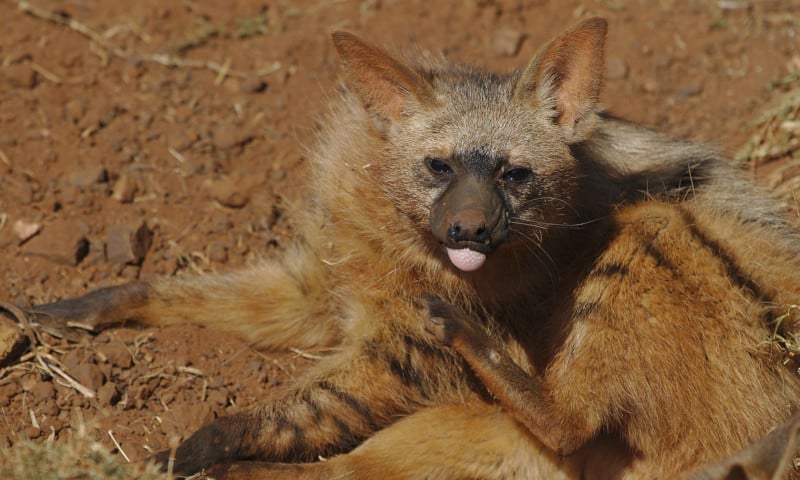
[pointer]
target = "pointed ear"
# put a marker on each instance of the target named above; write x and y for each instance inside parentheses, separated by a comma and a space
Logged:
(568, 74)
(387, 87)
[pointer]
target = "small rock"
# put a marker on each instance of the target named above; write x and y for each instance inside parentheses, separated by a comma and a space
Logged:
(42, 391)
(616, 68)
(124, 189)
(20, 75)
(228, 191)
(28, 382)
(62, 242)
(25, 230)
(690, 89)
(507, 41)
(74, 110)
(88, 176)
(229, 135)
(220, 397)
(88, 375)
(108, 394)
(12, 341)
(252, 84)
(128, 245)
(181, 141)
(116, 353)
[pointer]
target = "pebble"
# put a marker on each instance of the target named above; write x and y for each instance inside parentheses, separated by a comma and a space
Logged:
(88, 176)
(116, 353)
(43, 391)
(127, 244)
(74, 110)
(181, 141)
(88, 375)
(691, 89)
(227, 135)
(62, 242)
(20, 75)
(220, 397)
(108, 394)
(228, 191)
(25, 230)
(124, 190)
(253, 84)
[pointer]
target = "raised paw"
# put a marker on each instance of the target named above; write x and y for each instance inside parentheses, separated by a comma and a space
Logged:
(215, 442)
(446, 321)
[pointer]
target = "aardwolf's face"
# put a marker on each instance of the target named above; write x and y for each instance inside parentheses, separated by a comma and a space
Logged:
(487, 168)
(483, 158)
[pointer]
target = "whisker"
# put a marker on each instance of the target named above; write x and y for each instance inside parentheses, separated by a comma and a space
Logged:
(550, 199)
(534, 246)
(538, 223)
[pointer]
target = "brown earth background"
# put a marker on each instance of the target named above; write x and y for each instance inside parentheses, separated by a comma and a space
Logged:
(159, 137)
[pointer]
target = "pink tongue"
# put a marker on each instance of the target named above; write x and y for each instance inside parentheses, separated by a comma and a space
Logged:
(466, 259)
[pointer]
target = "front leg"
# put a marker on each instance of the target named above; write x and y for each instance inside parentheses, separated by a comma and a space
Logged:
(523, 395)
(349, 397)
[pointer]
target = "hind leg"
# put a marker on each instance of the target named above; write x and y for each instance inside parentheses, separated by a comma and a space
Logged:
(281, 303)
(448, 442)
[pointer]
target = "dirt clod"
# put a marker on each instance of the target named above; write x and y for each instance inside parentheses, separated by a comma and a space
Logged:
(62, 242)
(126, 244)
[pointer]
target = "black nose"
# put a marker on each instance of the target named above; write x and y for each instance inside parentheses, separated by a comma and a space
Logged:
(469, 226)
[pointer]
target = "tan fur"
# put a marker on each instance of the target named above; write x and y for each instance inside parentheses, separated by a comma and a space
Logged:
(628, 306)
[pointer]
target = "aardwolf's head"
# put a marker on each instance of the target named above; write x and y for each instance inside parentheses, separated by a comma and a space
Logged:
(484, 158)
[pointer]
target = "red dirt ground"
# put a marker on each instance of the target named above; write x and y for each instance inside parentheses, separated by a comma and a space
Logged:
(188, 121)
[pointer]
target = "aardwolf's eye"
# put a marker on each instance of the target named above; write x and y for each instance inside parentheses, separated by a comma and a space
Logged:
(517, 175)
(438, 167)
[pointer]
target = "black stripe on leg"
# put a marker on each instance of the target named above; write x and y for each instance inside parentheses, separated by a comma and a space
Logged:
(609, 270)
(353, 403)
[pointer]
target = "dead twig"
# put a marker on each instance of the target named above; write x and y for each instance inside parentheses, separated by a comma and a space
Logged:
(62, 19)
(304, 354)
(56, 372)
(119, 447)
(40, 350)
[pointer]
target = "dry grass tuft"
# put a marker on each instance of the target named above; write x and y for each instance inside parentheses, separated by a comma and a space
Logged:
(773, 152)
(75, 457)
